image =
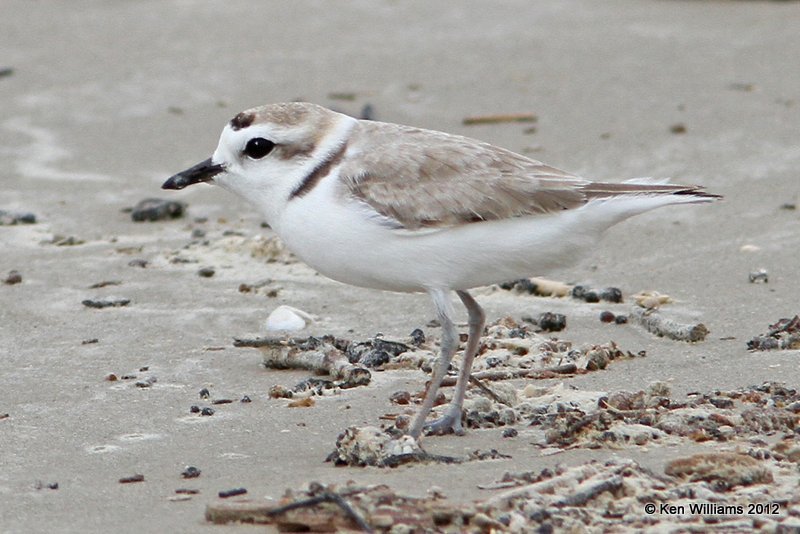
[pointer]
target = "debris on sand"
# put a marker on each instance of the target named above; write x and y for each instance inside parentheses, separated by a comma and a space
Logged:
(508, 350)
(560, 417)
(372, 446)
(784, 335)
(320, 355)
(723, 469)
(617, 495)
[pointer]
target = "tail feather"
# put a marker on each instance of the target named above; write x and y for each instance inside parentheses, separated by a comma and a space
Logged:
(646, 186)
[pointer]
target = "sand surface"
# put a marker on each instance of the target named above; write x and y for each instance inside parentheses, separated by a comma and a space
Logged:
(107, 99)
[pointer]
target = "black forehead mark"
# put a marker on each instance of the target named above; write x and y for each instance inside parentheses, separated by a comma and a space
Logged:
(242, 120)
(319, 172)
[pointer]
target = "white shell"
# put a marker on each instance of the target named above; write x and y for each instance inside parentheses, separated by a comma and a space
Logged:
(286, 318)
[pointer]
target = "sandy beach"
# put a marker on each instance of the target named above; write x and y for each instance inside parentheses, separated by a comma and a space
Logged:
(102, 101)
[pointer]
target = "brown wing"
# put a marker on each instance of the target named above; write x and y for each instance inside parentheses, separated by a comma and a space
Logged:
(422, 178)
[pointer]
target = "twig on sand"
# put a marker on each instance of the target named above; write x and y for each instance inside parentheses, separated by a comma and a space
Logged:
(328, 496)
(499, 118)
(510, 374)
(259, 513)
(659, 325)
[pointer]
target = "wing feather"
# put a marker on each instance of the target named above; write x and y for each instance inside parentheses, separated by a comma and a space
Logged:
(426, 179)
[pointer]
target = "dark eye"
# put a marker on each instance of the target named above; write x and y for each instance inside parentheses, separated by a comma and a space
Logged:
(258, 147)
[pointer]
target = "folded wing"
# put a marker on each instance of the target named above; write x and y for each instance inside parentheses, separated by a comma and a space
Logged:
(425, 179)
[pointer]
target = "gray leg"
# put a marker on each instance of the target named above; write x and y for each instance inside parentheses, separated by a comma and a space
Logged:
(451, 421)
(444, 311)
(477, 320)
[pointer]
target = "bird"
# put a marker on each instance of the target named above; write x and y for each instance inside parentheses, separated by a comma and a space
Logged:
(405, 209)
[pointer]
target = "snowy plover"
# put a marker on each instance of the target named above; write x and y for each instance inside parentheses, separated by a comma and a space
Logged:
(399, 208)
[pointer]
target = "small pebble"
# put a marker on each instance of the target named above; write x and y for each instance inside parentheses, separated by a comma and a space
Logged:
(607, 317)
(132, 478)
(156, 209)
(206, 272)
(552, 322)
(400, 397)
(375, 358)
(246, 399)
(198, 233)
(90, 341)
(402, 422)
(111, 377)
(621, 319)
(678, 128)
(417, 337)
(611, 294)
(190, 472)
(207, 411)
(149, 381)
(13, 278)
(204, 393)
(232, 493)
(510, 433)
(789, 206)
(761, 275)
(138, 263)
(194, 408)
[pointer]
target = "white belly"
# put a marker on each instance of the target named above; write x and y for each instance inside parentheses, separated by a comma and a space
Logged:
(344, 244)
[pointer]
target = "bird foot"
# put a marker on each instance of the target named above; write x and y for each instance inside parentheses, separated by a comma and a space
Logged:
(450, 423)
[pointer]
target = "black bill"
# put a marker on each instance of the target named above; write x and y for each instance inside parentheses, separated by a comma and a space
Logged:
(202, 172)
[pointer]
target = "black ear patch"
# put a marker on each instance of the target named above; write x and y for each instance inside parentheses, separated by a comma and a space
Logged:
(242, 120)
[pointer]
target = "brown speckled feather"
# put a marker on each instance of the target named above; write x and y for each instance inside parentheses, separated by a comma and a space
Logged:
(427, 179)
